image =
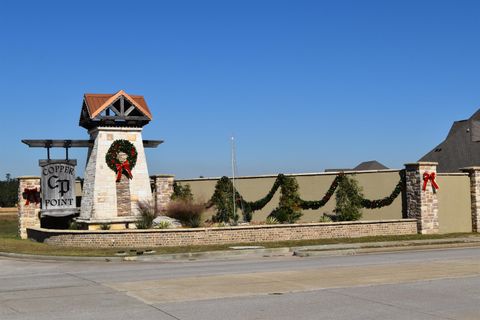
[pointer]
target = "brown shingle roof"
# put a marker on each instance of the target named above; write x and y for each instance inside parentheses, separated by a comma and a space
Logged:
(97, 102)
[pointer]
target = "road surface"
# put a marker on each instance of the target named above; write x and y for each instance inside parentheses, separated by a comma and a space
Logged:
(431, 284)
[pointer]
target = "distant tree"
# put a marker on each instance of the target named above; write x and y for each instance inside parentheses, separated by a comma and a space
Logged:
(8, 192)
(8, 177)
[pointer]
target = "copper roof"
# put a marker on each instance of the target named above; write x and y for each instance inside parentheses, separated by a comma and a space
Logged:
(97, 102)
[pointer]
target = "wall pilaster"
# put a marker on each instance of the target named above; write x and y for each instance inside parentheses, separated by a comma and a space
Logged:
(163, 191)
(422, 204)
(28, 204)
(474, 174)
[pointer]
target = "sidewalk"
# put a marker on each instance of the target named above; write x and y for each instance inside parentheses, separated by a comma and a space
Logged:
(251, 252)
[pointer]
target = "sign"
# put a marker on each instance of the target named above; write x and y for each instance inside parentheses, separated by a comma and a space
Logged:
(58, 187)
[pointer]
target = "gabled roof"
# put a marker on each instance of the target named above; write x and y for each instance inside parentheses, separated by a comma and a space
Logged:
(370, 165)
(364, 166)
(460, 149)
(96, 103)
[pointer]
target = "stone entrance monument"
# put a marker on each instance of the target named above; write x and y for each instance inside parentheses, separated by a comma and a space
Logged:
(116, 174)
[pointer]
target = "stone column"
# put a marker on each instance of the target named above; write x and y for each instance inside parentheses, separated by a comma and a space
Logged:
(163, 185)
(28, 215)
(474, 173)
(422, 204)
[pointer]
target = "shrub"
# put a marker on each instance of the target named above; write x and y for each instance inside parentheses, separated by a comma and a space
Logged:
(325, 218)
(271, 220)
(285, 215)
(189, 213)
(105, 226)
(73, 226)
(163, 225)
(349, 200)
(147, 214)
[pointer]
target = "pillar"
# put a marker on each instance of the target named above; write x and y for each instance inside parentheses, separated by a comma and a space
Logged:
(163, 185)
(28, 214)
(422, 204)
(474, 174)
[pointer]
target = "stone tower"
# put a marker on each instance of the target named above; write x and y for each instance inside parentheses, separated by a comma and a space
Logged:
(116, 174)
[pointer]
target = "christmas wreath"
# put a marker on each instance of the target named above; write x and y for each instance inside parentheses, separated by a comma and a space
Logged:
(115, 164)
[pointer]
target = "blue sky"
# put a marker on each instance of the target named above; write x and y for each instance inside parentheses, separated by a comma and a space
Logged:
(302, 85)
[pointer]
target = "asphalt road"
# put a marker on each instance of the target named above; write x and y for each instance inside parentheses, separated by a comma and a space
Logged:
(433, 284)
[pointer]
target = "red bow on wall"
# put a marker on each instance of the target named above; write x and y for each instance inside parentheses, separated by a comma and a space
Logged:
(31, 195)
(429, 177)
(124, 166)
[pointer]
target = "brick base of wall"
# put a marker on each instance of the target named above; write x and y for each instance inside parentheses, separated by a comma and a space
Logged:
(213, 236)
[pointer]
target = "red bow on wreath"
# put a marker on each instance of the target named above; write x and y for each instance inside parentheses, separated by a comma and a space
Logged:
(429, 177)
(124, 166)
(31, 195)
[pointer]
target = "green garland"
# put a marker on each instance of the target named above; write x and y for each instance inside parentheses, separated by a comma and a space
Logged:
(250, 207)
(376, 204)
(118, 146)
(313, 205)
(224, 193)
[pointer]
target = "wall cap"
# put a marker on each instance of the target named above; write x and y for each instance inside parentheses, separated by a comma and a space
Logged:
(213, 229)
(474, 168)
(421, 163)
(28, 177)
(330, 173)
(162, 176)
(454, 174)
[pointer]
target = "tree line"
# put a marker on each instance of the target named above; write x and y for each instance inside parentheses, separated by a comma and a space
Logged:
(8, 192)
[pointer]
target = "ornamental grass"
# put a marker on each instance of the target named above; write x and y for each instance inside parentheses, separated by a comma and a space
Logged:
(189, 213)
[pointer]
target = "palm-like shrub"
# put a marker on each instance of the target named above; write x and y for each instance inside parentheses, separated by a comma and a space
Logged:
(147, 214)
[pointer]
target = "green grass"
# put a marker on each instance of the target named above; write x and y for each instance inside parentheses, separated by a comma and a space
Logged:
(9, 242)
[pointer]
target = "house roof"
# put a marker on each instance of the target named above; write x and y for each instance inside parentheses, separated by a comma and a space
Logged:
(96, 102)
(370, 165)
(460, 149)
(364, 166)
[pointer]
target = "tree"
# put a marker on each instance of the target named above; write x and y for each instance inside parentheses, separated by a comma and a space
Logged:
(349, 200)
(182, 192)
(288, 210)
(222, 199)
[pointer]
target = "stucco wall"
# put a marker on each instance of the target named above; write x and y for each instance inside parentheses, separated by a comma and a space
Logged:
(376, 185)
(454, 213)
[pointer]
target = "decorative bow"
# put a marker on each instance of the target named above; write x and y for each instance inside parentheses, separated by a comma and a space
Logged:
(429, 177)
(124, 166)
(31, 195)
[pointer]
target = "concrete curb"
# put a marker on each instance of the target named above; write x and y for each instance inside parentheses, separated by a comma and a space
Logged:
(304, 251)
(387, 246)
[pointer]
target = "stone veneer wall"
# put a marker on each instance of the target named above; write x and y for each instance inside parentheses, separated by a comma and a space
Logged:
(163, 190)
(28, 216)
(474, 174)
(228, 235)
(421, 205)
